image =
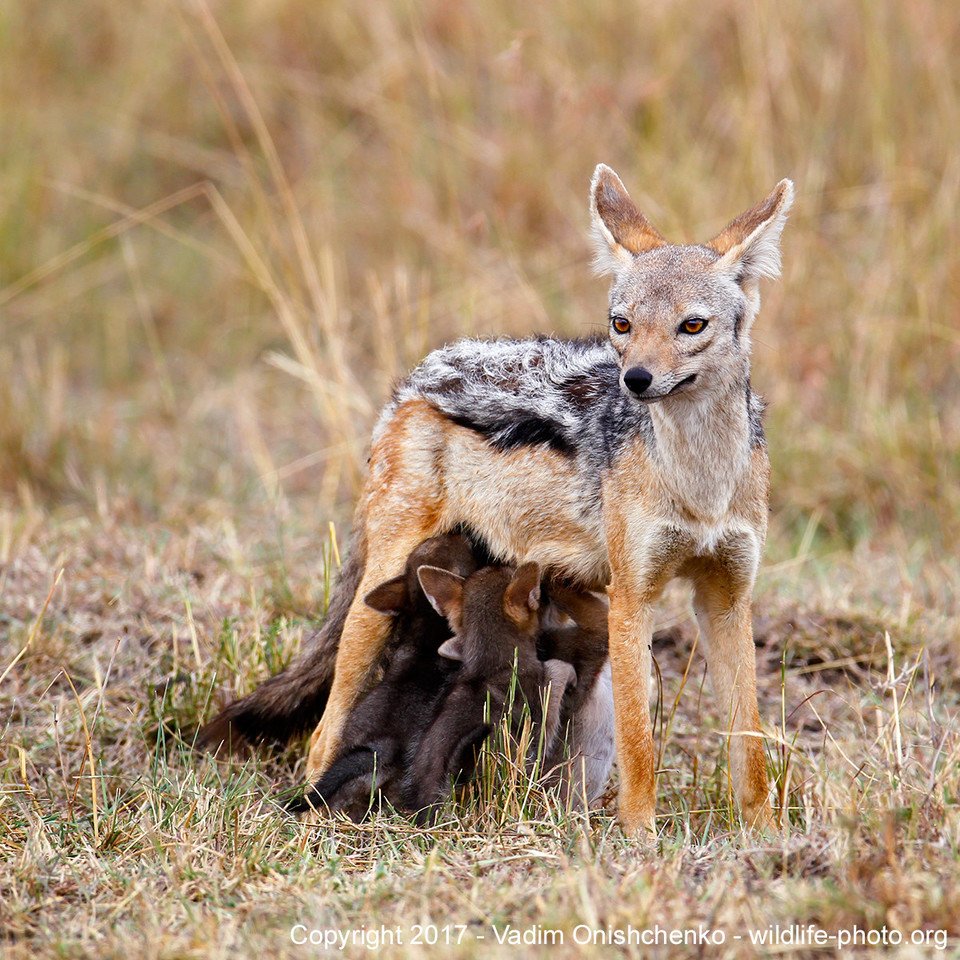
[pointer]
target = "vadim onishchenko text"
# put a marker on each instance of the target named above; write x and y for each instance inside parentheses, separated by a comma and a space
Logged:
(338, 939)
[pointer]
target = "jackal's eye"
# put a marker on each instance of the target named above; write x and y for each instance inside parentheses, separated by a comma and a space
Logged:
(620, 324)
(693, 325)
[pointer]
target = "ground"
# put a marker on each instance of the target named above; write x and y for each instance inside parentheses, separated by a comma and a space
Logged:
(149, 627)
(225, 229)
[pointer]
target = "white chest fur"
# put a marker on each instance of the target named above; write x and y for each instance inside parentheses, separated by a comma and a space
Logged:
(702, 456)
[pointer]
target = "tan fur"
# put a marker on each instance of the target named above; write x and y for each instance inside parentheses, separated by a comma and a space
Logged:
(692, 504)
(528, 504)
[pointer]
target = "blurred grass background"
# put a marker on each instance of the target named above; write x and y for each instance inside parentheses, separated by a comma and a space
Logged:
(225, 228)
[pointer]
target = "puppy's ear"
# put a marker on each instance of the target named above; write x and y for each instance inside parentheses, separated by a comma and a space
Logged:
(444, 590)
(390, 597)
(585, 609)
(451, 649)
(522, 597)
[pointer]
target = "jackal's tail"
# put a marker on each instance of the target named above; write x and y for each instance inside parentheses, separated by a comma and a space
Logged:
(292, 702)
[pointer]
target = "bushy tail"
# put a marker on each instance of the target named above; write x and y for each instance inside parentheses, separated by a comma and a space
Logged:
(292, 702)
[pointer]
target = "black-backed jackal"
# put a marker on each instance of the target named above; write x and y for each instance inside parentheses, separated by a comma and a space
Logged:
(621, 462)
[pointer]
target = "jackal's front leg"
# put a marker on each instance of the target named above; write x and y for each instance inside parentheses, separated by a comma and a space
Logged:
(631, 633)
(723, 614)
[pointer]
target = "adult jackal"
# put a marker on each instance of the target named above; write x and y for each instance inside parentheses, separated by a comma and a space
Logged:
(622, 462)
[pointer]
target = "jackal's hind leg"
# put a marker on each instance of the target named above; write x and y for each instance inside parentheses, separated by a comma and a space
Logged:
(364, 636)
(401, 506)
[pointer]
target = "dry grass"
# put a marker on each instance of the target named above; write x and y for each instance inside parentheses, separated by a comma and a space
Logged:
(224, 229)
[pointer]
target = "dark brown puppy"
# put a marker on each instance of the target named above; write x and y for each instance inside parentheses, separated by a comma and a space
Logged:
(495, 617)
(385, 728)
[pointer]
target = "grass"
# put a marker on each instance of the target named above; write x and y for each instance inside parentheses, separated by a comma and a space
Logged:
(224, 230)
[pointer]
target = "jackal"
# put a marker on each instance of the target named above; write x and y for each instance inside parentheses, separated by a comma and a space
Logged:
(619, 462)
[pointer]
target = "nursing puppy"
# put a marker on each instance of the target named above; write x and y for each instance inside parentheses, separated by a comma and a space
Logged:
(575, 630)
(385, 728)
(495, 617)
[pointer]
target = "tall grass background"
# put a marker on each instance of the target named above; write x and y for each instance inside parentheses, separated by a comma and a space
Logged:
(226, 228)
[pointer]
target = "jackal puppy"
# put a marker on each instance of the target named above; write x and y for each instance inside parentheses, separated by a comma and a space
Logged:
(495, 617)
(575, 630)
(385, 727)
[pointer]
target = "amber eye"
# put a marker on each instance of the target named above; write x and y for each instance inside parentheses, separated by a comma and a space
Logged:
(693, 325)
(620, 325)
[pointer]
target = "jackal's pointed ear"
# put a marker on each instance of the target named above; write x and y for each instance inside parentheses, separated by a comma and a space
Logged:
(620, 230)
(451, 649)
(389, 597)
(749, 246)
(522, 597)
(444, 590)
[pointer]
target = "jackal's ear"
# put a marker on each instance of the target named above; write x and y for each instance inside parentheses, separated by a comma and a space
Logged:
(444, 590)
(389, 597)
(522, 597)
(451, 649)
(620, 230)
(749, 246)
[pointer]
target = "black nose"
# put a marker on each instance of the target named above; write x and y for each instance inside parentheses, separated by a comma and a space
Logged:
(637, 379)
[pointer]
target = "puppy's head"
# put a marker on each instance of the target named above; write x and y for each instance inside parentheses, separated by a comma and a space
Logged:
(495, 610)
(401, 594)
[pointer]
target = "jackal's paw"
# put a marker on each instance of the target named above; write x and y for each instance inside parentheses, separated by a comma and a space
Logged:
(758, 818)
(317, 761)
(643, 839)
(639, 825)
